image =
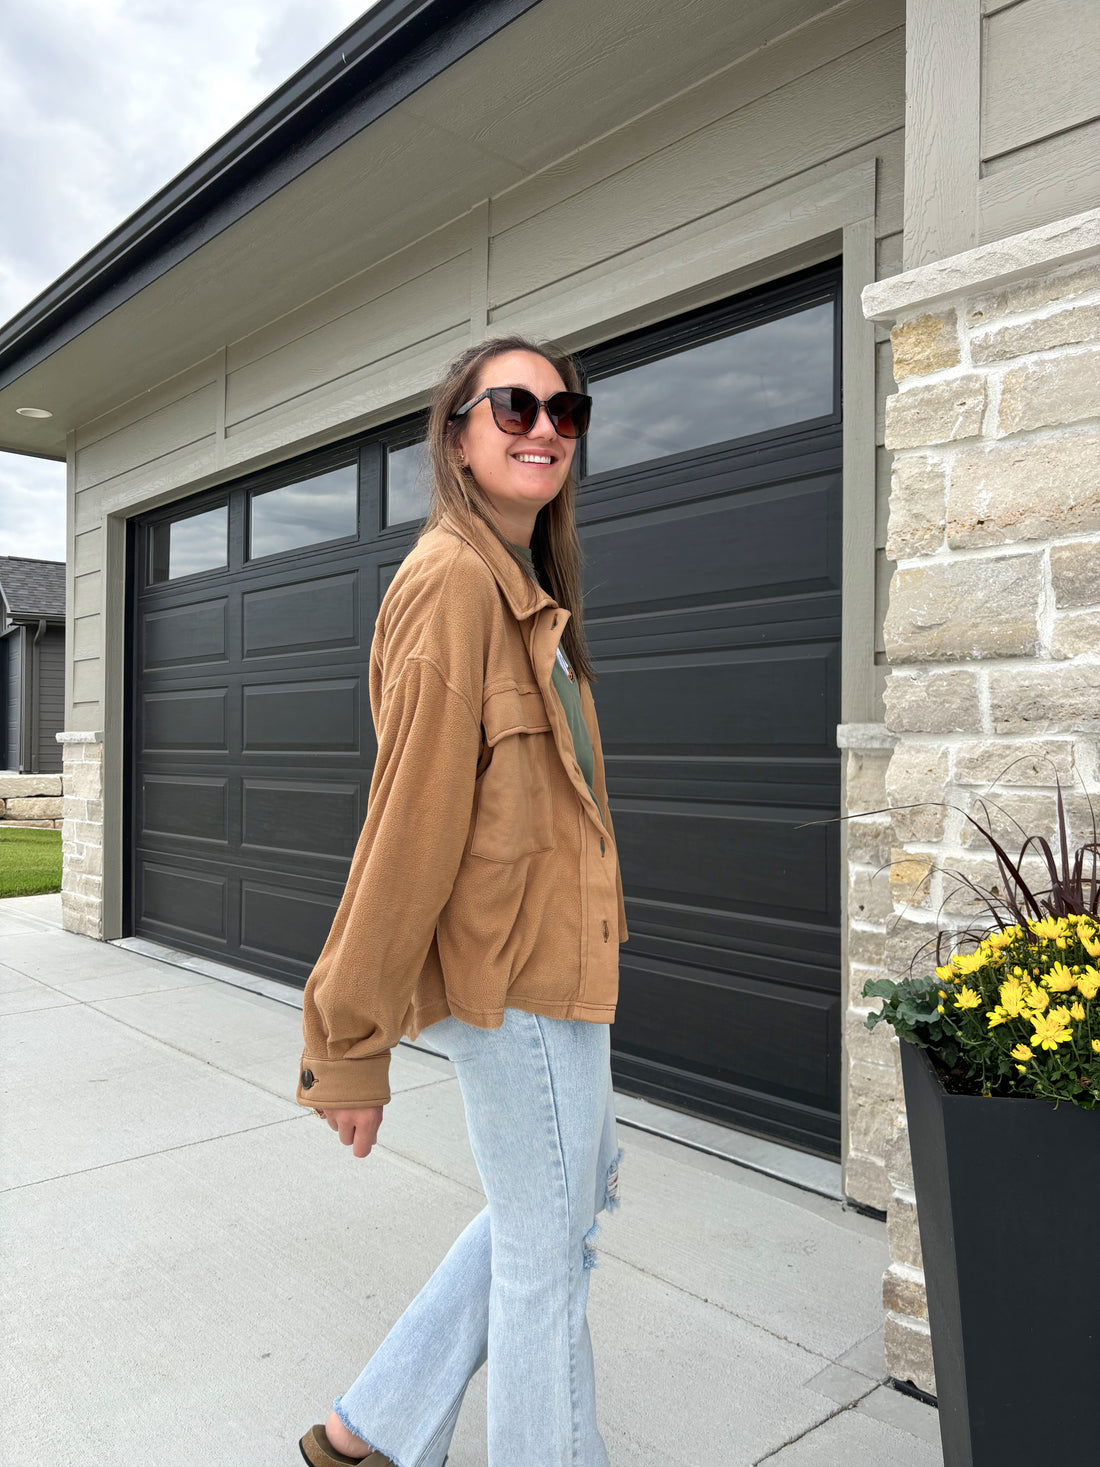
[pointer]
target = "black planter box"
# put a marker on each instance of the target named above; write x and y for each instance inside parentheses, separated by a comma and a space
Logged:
(1008, 1199)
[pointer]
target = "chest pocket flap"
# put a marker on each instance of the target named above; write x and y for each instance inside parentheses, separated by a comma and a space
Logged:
(514, 803)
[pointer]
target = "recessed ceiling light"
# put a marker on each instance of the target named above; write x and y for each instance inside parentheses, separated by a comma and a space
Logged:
(35, 412)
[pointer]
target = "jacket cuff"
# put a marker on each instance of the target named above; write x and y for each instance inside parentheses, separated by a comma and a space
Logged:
(332, 1084)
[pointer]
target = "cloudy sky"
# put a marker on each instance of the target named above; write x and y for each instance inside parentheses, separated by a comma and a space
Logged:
(101, 103)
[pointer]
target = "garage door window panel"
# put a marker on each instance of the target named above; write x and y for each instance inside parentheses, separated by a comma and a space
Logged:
(189, 545)
(312, 511)
(765, 376)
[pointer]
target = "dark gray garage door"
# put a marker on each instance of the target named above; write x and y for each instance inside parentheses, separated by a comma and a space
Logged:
(710, 516)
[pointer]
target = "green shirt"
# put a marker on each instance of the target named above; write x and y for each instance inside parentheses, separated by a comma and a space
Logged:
(568, 690)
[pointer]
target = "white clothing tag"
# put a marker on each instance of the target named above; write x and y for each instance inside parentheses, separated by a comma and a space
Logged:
(565, 665)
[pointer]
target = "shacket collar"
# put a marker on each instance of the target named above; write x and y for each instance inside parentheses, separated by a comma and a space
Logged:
(523, 595)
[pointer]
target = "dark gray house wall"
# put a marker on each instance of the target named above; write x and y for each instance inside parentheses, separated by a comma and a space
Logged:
(32, 664)
(11, 700)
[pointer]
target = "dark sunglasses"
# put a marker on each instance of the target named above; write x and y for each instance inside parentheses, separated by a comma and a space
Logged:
(515, 410)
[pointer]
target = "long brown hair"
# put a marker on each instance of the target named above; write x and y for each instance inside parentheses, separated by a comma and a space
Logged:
(555, 545)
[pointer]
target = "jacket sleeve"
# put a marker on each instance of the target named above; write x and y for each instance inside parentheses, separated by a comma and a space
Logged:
(404, 867)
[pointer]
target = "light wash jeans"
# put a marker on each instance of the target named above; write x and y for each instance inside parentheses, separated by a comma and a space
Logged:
(513, 1288)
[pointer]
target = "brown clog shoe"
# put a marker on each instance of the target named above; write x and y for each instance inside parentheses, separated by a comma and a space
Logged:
(319, 1452)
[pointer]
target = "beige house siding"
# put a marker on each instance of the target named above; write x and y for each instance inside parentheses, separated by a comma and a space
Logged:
(680, 206)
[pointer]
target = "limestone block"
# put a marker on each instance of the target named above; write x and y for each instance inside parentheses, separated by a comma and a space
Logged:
(1064, 328)
(74, 809)
(865, 945)
(1032, 295)
(87, 859)
(1075, 573)
(84, 779)
(865, 1046)
(942, 412)
(80, 883)
(910, 877)
(1074, 635)
(903, 1291)
(964, 609)
(925, 344)
(961, 901)
(869, 897)
(82, 914)
(933, 702)
(3, 808)
(918, 489)
(1014, 761)
(899, 1165)
(910, 947)
(866, 1182)
(909, 1352)
(870, 1123)
(869, 840)
(867, 1083)
(917, 777)
(13, 823)
(1005, 812)
(1057, 698)
(1049, 392)
(865, 779)
(903, 1231)
(1037, 490)
(47, 808)
(24, 786)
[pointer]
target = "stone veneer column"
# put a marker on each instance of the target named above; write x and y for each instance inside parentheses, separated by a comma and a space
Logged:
(993, 629)
(82, 833)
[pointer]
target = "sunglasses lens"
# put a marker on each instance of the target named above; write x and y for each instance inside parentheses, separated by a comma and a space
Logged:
(569, 412)
(514, 409)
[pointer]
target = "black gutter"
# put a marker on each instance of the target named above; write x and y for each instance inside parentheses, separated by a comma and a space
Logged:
(373, 65)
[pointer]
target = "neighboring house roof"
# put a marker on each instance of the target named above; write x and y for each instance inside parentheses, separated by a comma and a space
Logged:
(32, 588)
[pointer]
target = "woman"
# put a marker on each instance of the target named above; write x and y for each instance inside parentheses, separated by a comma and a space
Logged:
(484, 911)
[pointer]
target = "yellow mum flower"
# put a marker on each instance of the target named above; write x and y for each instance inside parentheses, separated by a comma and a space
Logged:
(946, 974)
(1088, 983)
(1037, 998)
(968, 999)
(969, 962)
(1022, 1069)
(1090, 944)
(1021, 1052)
(1060, 979)
(1049, 927)
(1051, 1029)
(1077, 1011)
(1096, 1045)
(1000, 939)
(1013, 995)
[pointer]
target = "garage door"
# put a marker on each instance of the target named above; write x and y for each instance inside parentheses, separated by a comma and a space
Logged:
(711, 519)
(710, 516)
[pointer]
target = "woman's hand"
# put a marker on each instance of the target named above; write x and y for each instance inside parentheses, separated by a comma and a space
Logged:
(357, 1128)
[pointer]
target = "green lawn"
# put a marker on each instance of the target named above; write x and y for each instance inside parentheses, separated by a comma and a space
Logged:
(30, 862)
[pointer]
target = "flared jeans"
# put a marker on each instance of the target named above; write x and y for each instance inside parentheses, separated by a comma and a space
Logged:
(513, 1289)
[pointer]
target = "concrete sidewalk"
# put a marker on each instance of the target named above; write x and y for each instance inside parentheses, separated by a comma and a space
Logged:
(194, 1266)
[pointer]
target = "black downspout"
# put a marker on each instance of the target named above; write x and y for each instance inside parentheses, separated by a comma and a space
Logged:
(32, 693)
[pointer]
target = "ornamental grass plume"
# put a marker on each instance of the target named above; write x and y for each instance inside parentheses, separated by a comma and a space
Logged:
(1018, 1011)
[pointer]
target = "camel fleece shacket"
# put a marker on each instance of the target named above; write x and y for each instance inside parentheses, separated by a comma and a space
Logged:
(486, 874)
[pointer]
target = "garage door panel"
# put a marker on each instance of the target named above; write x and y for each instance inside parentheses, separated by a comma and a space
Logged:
(756, 779)
(184, 900)
(284, 921)
(187, 807)
(778, 1042)
(302, 717)
(182, 636)
(755, 860)
(729, 701)
(315, 615)
(285, 815)
(187, 719)
(768, 542)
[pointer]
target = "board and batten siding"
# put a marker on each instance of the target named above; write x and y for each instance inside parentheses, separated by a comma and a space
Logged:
(760, 169)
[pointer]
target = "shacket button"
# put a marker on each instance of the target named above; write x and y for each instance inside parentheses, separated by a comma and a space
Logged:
(307, 1075)
(606, 932)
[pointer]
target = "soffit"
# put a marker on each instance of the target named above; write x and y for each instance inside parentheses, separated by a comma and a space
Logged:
(560, 75)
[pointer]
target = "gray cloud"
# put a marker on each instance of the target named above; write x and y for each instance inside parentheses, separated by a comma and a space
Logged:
(102, 103)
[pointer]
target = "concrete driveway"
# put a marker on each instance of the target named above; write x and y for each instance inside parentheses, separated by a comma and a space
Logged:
(193, 1266)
